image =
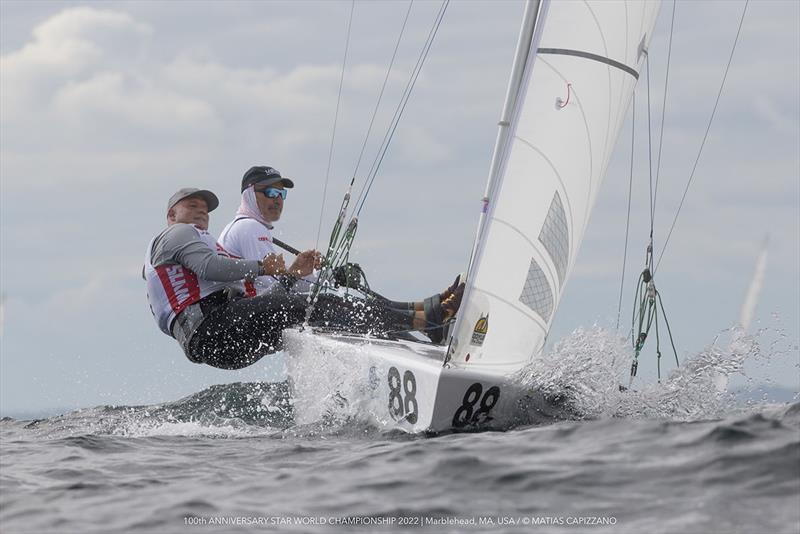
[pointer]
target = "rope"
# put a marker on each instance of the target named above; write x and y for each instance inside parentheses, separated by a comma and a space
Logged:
(669, 330)
(335, 121)
(563, 103)
(649, 300)
(647, 296)
(705, 136)
(664, 108)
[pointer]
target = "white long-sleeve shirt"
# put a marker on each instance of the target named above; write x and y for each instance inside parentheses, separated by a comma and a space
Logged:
(249, 239)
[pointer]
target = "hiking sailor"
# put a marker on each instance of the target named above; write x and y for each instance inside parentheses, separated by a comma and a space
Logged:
(195, 293)
(249, 236)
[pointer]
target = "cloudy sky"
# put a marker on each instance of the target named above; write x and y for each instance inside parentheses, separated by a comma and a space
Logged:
(107, 108)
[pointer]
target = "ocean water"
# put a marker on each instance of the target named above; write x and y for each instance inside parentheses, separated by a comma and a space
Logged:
(674, 457)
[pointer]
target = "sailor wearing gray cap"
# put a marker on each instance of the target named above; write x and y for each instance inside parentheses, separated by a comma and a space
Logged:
(186, 269)
(191, 205)
(211, 199)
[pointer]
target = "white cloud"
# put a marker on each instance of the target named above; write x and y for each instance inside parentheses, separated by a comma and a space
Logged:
(96, 109)
(73, 24)
(251, 90)
(68, 46)
(113, 99)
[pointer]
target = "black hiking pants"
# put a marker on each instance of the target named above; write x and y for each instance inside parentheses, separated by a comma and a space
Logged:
(237, 333)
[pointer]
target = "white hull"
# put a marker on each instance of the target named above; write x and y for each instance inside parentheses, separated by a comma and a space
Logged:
(399, 384)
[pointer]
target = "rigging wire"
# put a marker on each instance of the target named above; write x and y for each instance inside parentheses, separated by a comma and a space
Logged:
(400, 109)
(335, 121)
(650, 151)
(648, 299)
(342, 235)
(705, 136)
(383, 87)
(664, 108)
(628, 219)
(647, 296)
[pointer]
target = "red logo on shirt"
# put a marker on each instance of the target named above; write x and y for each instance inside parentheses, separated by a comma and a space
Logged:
(180, 286)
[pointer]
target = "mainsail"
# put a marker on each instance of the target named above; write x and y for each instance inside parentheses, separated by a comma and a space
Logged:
(576, 68)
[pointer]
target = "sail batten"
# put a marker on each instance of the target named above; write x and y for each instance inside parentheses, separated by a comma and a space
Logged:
(558, 129)
(590, 56)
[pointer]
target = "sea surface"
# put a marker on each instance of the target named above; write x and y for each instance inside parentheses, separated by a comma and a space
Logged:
(672, 457)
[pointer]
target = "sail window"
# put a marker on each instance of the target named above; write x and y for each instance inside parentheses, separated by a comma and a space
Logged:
(555, 237)
(536, 293)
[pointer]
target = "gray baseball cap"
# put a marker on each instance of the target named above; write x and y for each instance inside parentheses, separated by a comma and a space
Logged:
(186, 192)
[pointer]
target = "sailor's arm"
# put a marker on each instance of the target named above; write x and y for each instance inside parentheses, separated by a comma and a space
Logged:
(181, 244)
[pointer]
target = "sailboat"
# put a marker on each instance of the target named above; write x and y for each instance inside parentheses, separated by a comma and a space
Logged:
(574, 71)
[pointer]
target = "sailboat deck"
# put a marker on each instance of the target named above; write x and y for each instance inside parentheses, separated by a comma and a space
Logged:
(435, 353)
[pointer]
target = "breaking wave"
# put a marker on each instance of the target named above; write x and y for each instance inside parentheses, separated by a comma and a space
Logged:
(228, 410)
(584, 373)
(580, 378)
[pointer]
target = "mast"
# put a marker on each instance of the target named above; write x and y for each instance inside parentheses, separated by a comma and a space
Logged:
(519, 69)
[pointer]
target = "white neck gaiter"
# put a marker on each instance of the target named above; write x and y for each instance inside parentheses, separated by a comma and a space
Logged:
(249, 207)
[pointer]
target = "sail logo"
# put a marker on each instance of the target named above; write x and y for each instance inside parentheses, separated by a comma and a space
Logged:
(479, 332)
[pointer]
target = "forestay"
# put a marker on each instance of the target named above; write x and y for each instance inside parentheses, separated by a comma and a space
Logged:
(565, 106)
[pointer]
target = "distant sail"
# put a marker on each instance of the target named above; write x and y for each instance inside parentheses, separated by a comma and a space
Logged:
(746, 315)
(580, 63)
(754, 289)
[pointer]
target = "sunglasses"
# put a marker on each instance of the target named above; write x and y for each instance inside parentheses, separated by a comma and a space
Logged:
(272, 192)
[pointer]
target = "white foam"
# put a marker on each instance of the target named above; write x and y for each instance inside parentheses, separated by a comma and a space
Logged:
(587, 366)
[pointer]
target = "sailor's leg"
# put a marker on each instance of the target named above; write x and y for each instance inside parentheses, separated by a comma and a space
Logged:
(244, 330)
(401, 305)
(359, 316)
(420, 305)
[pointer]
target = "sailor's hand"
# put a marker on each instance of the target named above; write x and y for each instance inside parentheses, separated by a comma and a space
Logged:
(274, 264)
(305, 263)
